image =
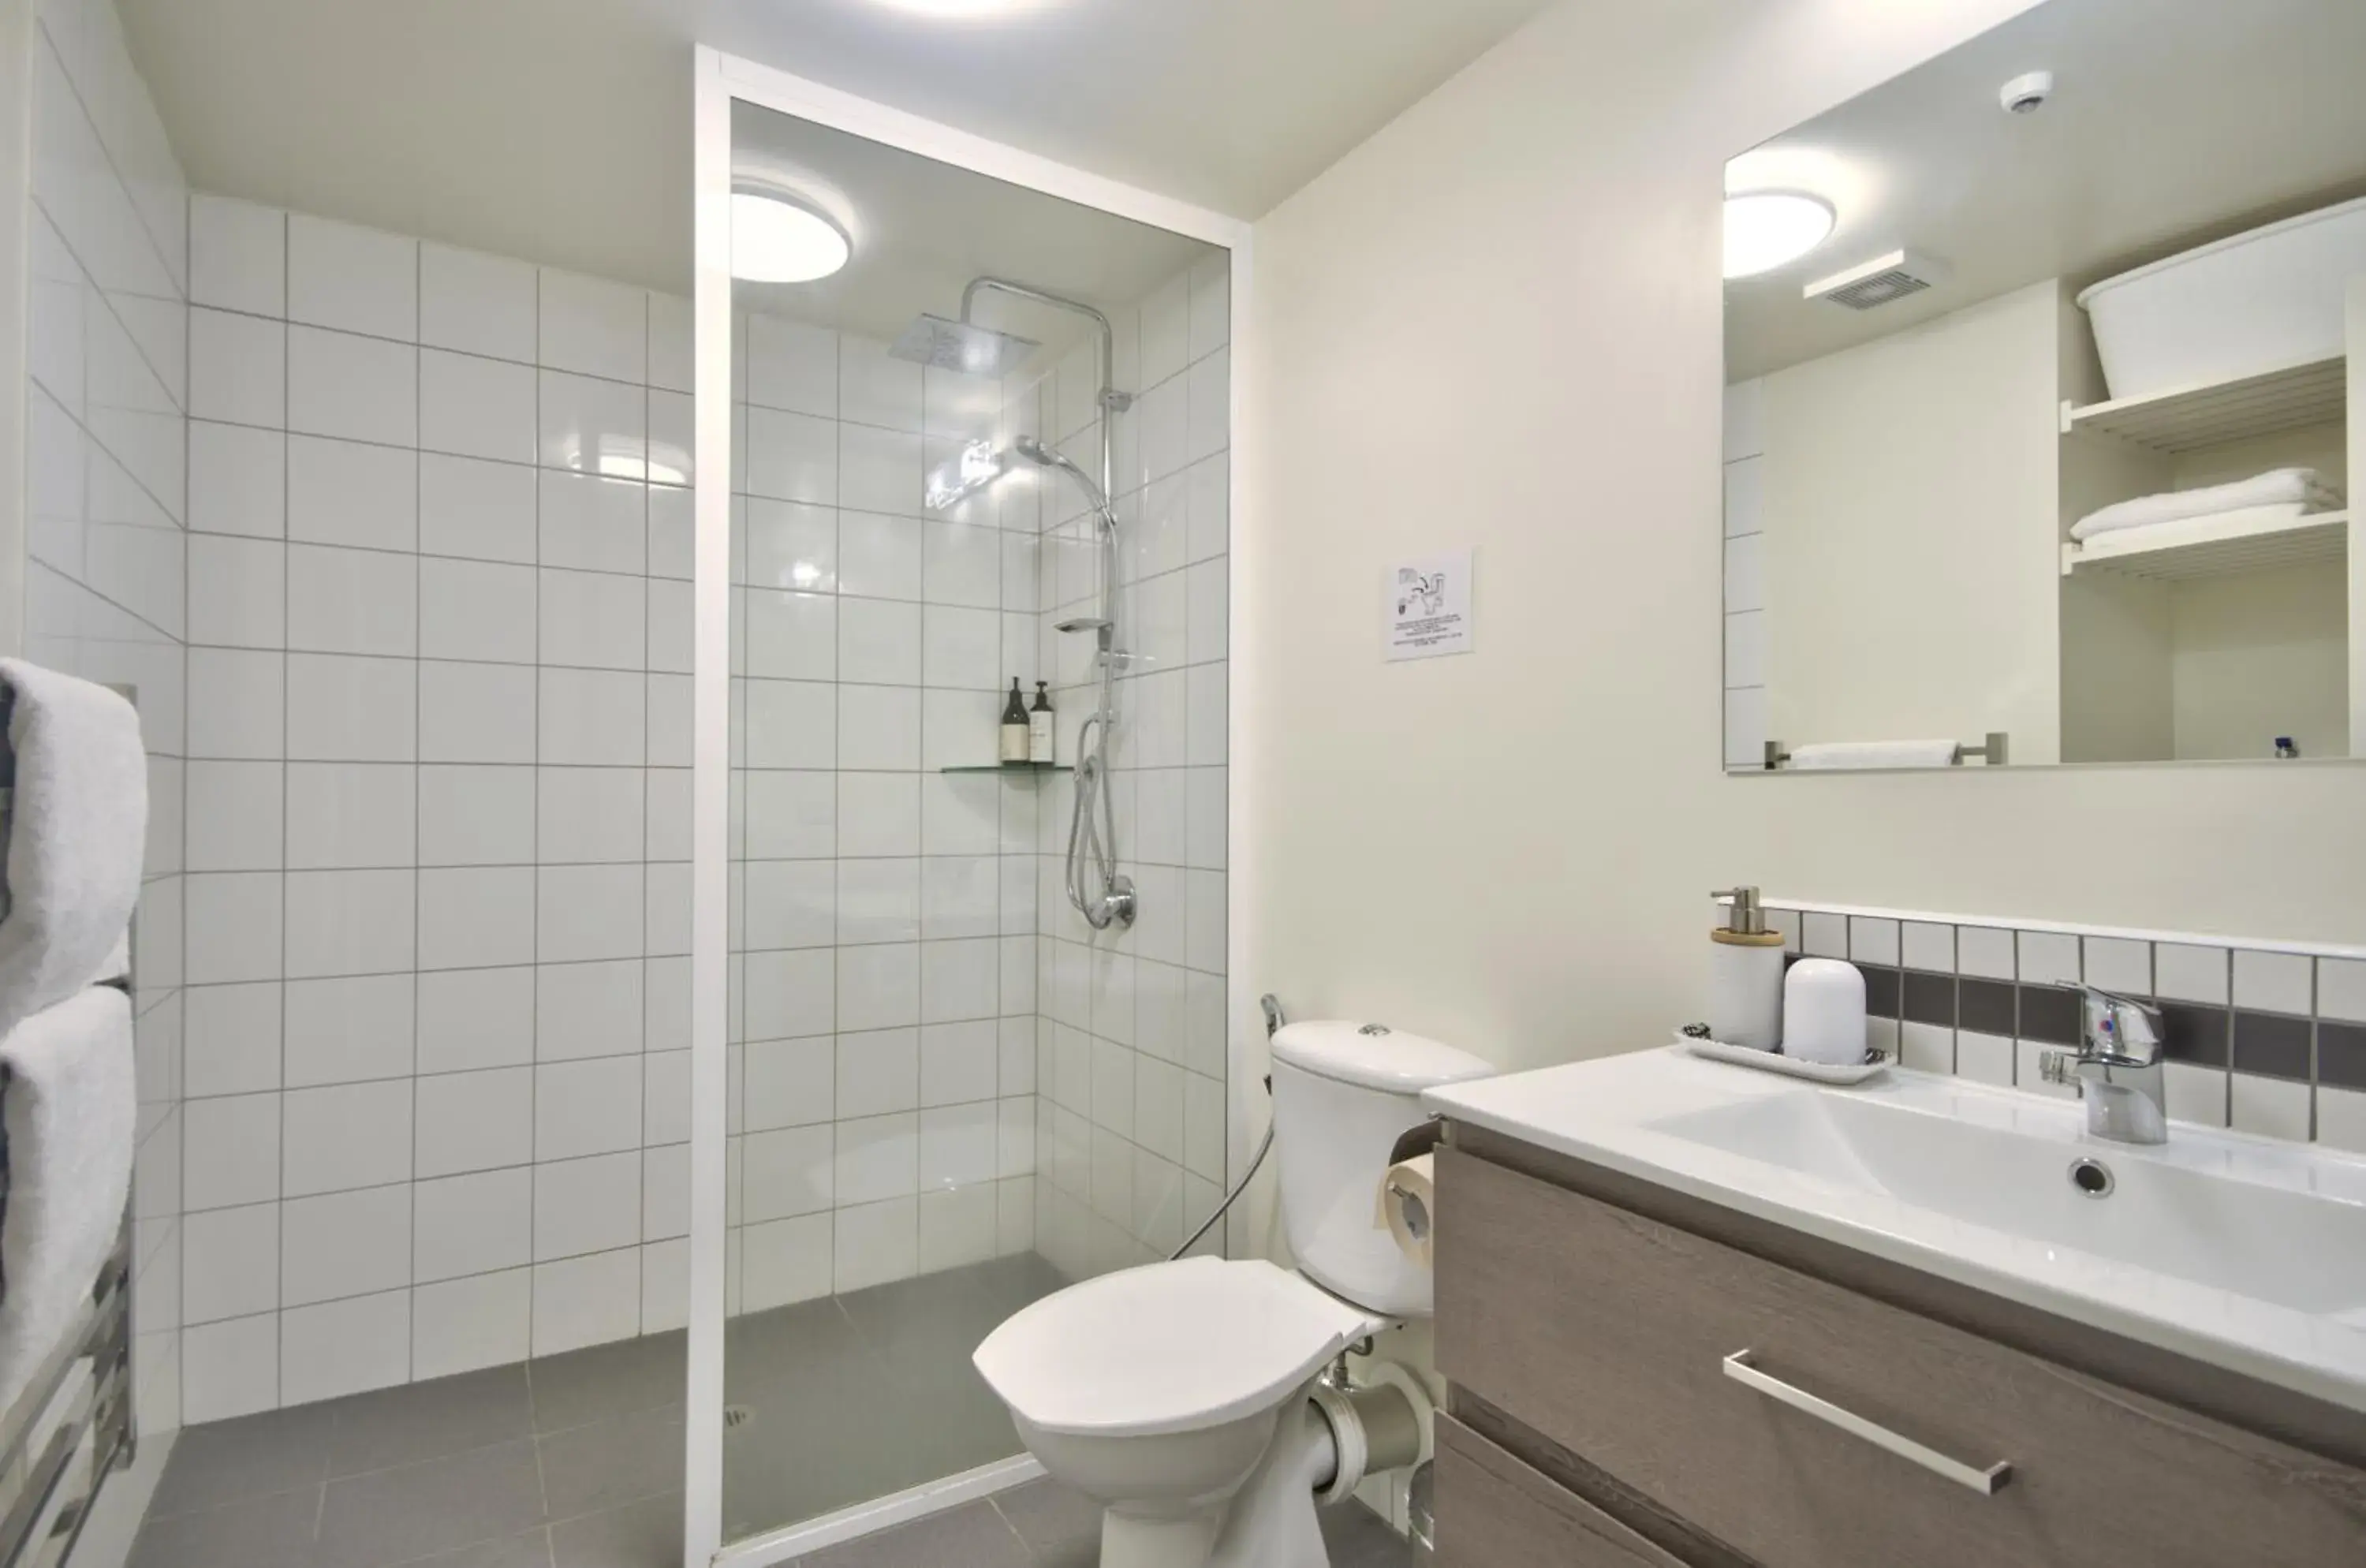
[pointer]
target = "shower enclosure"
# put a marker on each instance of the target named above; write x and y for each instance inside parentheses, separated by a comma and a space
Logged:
(963, 1030)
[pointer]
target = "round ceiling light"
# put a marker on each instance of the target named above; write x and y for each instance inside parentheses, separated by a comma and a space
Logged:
(774, 239)
(1768, 229)
(960, 10)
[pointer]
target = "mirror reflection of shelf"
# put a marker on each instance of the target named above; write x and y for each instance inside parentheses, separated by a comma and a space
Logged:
(2191, 419)
(1013, 768)
(2212, 546)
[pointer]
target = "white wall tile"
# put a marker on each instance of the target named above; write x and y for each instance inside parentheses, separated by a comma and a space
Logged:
(461, 1326)
(356, 280)
(792, 367)
(786, 1261)
(476, 304)
(480, 1223)
(593, 619)
(237, 481)
(230, 1038)
(231, 1265)
(351, 709)
(588, 1009)
(476, 918)
(349, 492)
(344, 1244)
(591, 718)
(230, 1147)
(475, 1018)
(353, 387)
(234, 929)
(477, 509)
(877, 556)
(473, 406)
(229, 1369)
(594, 523)
(344, 601)
(347, 1346)
(473, 1121)
(235, 816)
(586, 1205)
(349, 1136)
(585, 1301)
(476, 610)
(238, 255)
(476, 712)
(351, 922)
(594, 327)
(592, 426)
(238, 369)
(349, 1030)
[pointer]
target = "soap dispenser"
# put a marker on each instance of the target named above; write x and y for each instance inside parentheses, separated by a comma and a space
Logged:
(1745, 975)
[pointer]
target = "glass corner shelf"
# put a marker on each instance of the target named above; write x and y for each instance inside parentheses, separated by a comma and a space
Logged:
(1013, 768)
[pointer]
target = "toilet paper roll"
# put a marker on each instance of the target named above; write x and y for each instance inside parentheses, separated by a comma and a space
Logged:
(1408, 1205)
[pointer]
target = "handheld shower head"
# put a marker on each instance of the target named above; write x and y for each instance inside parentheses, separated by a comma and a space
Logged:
(1031, 449)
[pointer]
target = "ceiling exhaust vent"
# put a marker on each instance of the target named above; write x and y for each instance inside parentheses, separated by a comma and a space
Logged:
(1880, 281)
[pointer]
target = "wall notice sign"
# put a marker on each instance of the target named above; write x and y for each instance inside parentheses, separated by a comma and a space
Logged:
(1425, 610)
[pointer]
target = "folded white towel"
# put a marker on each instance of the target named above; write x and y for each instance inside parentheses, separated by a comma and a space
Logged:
(69, 1107)
(2298, 487)
(1833, 756)
(77, 835)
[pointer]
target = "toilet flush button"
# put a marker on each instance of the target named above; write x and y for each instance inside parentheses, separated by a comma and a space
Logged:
(1374, 1029)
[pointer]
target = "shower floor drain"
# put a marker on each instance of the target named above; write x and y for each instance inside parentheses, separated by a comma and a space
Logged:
(737, 1416)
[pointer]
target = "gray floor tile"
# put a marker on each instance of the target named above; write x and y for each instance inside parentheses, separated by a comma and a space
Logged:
(647, 1534)
(393, 1516)
(1360, 1538)
(275, 1531)
(531, 1550)
(223, 1462)
(620, 1379)
(973, 1536)
(1051, 1517)
(427, 1420)
(590, 1468)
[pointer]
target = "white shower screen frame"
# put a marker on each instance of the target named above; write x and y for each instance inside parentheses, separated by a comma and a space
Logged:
(720, 81)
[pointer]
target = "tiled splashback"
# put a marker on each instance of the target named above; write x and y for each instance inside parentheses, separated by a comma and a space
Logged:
(2262, 1039)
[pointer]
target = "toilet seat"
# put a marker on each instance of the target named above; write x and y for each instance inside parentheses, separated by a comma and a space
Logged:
(1167, 1348)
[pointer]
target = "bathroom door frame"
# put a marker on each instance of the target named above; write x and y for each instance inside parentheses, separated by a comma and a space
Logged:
(721, 79)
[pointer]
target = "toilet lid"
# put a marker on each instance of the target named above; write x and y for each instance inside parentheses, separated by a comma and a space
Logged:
(1166, 1347)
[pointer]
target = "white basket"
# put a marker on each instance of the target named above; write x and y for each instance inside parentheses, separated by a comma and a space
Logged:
(2258, 301)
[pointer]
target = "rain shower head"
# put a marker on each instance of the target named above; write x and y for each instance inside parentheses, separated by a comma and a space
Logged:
(963, 347)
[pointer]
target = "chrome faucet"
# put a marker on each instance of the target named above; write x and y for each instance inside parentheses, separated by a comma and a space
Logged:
(2117, 1068)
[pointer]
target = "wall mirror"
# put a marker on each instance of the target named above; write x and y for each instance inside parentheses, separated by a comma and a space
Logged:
(2043, 401)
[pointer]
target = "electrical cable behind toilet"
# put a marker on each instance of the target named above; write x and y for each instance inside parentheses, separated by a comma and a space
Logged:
(1273, 1022)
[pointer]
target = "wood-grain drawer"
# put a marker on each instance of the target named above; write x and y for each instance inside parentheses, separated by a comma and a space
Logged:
(1608, 1333)
(1493, 1511)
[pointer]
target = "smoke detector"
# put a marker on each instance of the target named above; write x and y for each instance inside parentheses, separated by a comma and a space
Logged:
(1881, 281)
(2026, 95)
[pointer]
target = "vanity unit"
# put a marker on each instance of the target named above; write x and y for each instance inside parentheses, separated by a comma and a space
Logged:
(1692, 1317)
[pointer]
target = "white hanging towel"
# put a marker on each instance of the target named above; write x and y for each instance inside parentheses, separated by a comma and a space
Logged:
(1834, 756)
(2302, 490)
(69, 1107)
(77, 835)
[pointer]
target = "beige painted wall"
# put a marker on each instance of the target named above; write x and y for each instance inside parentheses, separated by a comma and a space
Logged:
(1498, 323)
(1909, 492)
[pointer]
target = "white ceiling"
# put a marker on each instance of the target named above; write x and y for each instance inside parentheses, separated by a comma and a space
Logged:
(559, 130)
(922, 230)
(2173, 123)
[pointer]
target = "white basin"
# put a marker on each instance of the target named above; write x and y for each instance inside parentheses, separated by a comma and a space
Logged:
(2244, 1252)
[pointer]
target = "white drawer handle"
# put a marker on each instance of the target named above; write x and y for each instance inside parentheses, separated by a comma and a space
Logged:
(1985, 1482)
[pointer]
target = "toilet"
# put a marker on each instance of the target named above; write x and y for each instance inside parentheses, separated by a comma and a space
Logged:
(1185, 1397)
